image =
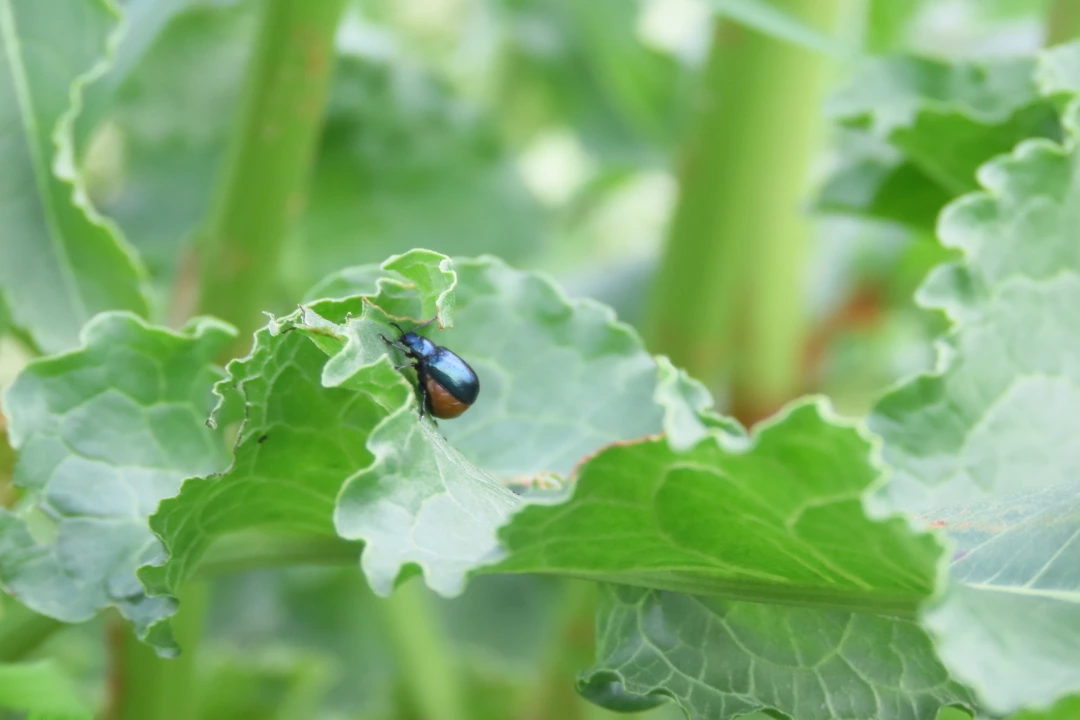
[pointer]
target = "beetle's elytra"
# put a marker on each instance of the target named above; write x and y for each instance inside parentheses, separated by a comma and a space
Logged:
(447, 385)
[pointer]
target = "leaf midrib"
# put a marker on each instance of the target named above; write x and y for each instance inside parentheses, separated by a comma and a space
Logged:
(892, 603)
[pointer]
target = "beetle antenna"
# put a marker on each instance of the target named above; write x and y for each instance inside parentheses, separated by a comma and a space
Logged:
(425, 324)
(398, 328)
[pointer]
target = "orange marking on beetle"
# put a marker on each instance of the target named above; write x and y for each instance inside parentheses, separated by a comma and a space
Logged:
(441, 403)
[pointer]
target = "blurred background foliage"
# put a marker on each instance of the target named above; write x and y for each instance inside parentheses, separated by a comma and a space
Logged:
(555, 134)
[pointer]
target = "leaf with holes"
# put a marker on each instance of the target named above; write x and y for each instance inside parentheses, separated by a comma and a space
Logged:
(331, 441)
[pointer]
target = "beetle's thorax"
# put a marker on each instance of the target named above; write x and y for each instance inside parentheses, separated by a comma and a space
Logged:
(421, 347)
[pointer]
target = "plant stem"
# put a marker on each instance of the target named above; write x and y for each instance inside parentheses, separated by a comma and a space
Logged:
(728, 302)
(428, 667)
(22, 630)
(1063, 23)
(264, 178)
(143, 686)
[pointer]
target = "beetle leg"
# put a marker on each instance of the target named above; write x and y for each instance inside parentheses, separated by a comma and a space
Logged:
(407, 365)
(423, 398)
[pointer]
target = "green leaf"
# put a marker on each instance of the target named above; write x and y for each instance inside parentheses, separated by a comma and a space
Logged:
(766, 18)
(42, 690)
(103, 433)
(559, 380)
(984, 447)
(778, 521)
(296, 445)
(945, 119)
(721, 659)
(171, 113)
(874, 179)
(144, 22)
(60, 263)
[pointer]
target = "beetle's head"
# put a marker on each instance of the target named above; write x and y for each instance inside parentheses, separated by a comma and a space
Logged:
(420, 346)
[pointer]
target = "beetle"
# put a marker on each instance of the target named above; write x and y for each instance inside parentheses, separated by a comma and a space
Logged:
(448, 386)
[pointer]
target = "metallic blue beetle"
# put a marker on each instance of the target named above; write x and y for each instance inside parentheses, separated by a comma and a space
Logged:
(448, 386)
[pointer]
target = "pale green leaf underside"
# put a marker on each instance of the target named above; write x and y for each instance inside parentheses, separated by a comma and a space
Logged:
(987, 448)
(60, 263)
(722, 659)
(103, 433)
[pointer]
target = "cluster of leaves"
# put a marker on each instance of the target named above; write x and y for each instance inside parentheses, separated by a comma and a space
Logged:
(328, 444)
(776, 570)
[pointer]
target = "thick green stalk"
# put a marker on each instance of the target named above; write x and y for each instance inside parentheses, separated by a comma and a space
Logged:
(728, 300)
(143, 686)
(264, 180)
(1063, 23)
(428, 667)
